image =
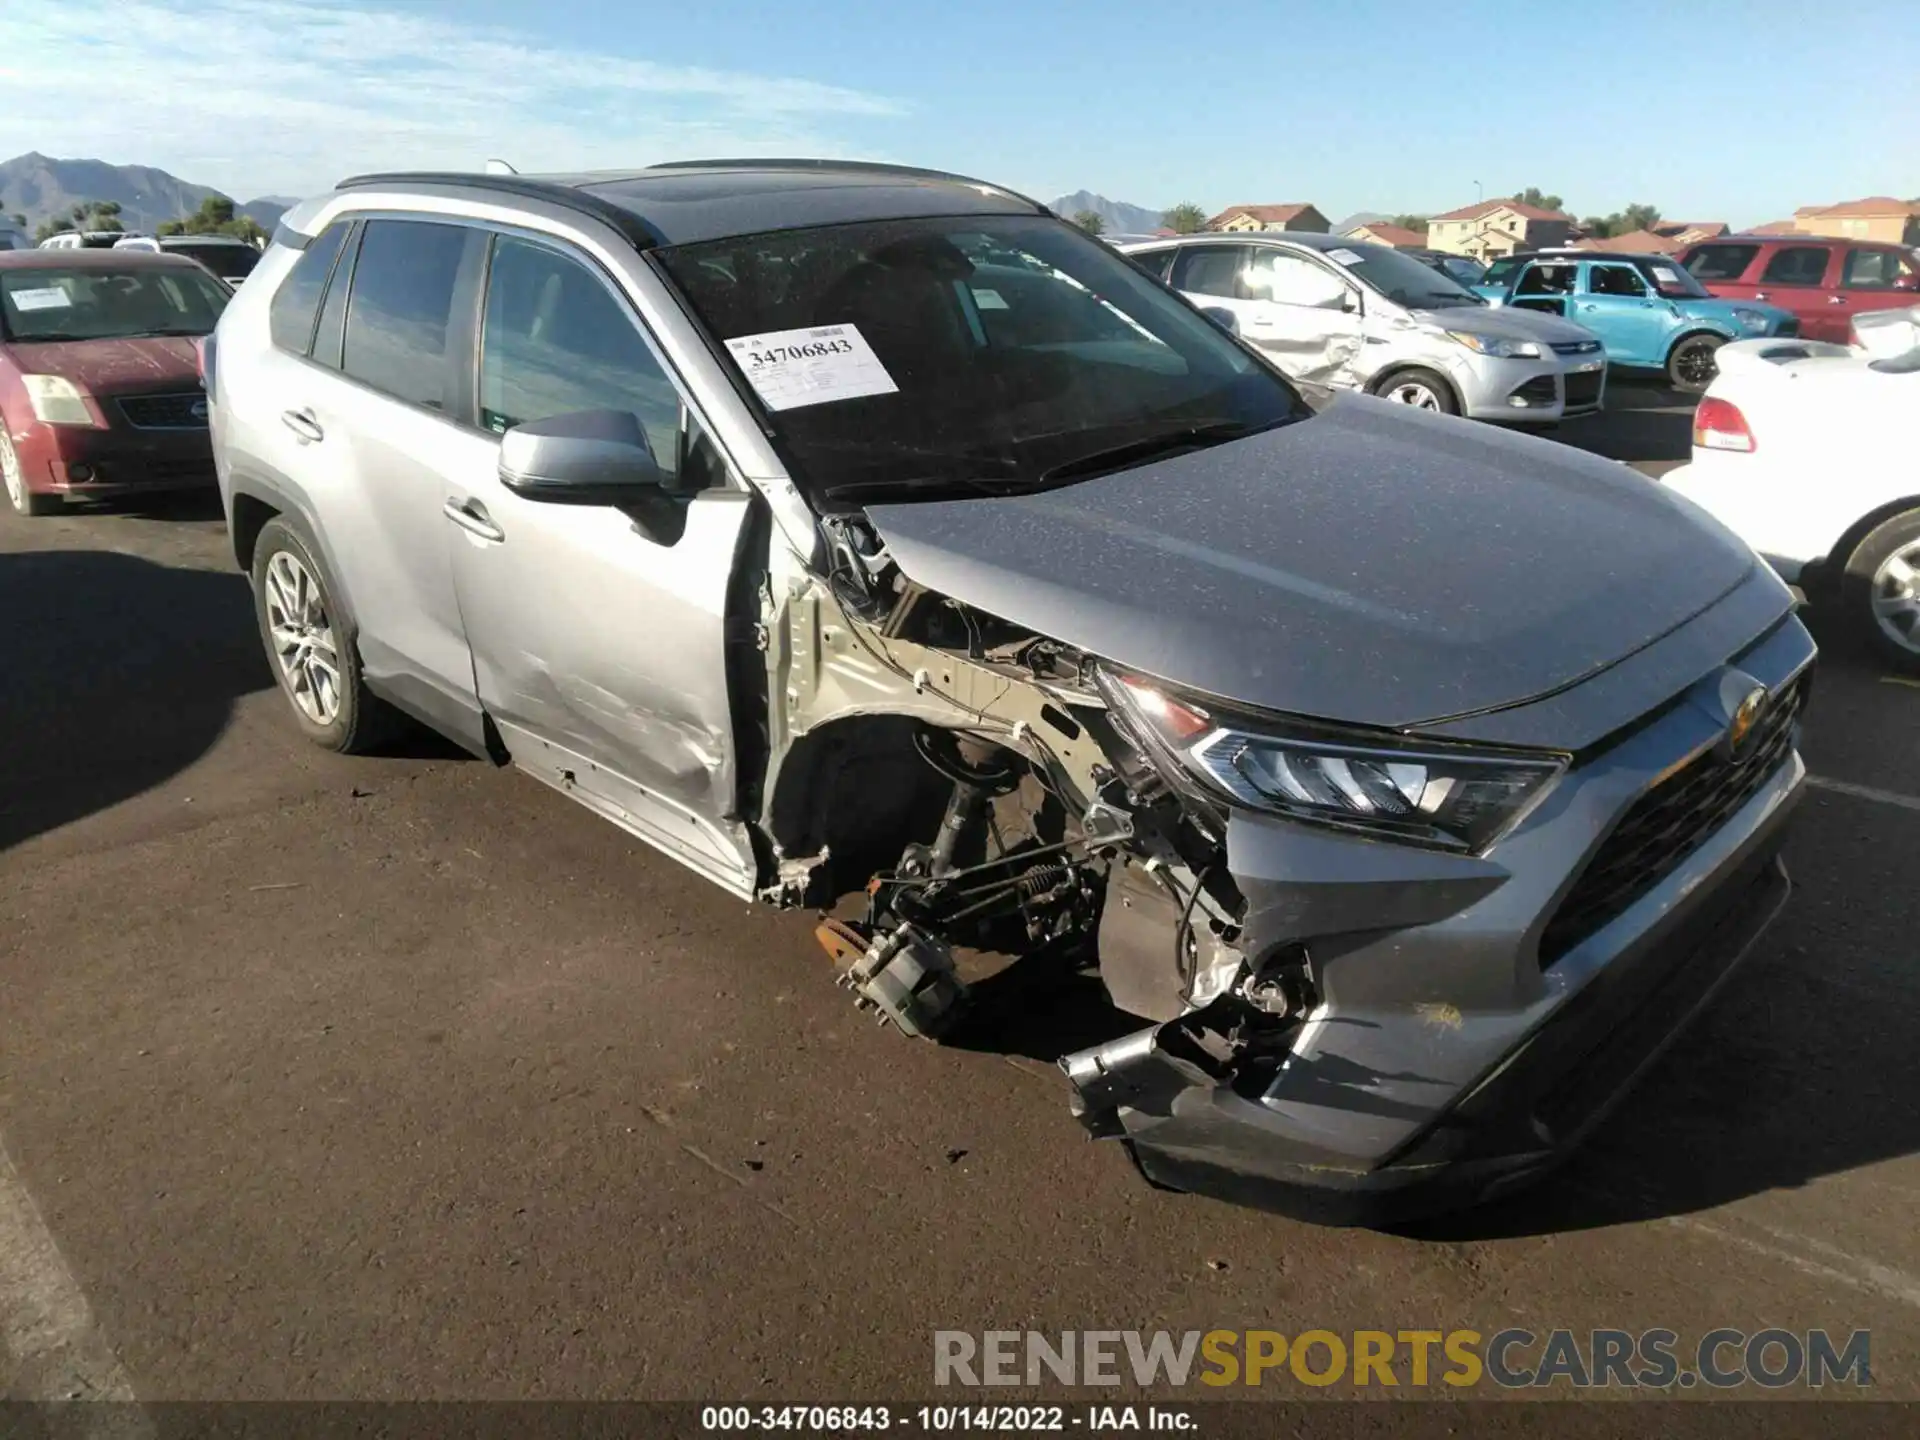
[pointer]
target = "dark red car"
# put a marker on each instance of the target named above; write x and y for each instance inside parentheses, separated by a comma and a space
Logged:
(99, 380)
(1825, 282)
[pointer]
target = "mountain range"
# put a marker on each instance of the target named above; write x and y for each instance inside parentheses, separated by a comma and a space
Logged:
(1121, 218)
(40, 187)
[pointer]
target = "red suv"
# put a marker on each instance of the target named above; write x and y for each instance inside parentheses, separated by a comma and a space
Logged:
(1823, 281)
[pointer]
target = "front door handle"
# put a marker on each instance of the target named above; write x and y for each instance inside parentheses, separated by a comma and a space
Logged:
(1759, 294)
(471, 516)
(302, 424)
(1589, 305)
(1836, 299)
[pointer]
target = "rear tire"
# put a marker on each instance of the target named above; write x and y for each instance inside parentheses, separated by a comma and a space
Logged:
(1422, 389)
(1690, 364)
(310, 644)
(23, 500)
(1879, 591)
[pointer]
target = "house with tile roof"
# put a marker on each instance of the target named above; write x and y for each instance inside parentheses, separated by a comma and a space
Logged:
(1877, 217)
(1688, 232)
(1494, 228)
(1398, 236)
(1298, 217)
(1638, 242)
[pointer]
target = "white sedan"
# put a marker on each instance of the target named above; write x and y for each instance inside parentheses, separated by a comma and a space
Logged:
(1810, 452)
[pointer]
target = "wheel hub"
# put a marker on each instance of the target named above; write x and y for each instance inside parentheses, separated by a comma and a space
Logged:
(1896, 597)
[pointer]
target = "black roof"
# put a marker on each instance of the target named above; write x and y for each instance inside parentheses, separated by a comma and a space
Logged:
(690, 201)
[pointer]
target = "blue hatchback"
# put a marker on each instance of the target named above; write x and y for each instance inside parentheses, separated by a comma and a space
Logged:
(1648, 311)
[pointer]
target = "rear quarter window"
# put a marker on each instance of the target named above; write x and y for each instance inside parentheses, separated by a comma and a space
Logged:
(1721, 262)
(297, 302)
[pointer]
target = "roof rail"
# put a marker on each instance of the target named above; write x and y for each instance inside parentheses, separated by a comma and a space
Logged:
(876, 167)
(632, 228)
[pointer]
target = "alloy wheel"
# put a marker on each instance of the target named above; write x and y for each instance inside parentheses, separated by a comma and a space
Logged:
(1414, 393)
(1896, 597)
(1695, 365)
(303, 642)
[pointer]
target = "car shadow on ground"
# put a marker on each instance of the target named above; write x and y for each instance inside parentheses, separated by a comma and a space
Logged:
(116, 674)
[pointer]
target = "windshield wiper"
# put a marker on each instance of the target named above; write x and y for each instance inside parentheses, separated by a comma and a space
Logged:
(1135, 452)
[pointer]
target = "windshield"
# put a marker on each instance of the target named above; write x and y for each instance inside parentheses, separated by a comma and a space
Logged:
(1672, 281)
(967, 355)
(229, 262)
(1401, 278)
(92, 303)
(1501, 271)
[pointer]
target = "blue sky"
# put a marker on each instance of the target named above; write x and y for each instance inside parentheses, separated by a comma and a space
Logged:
(1729, 111)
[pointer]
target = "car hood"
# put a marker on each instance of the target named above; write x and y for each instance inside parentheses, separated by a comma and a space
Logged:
(1508, 324)
(114, 367)
(1372, 564)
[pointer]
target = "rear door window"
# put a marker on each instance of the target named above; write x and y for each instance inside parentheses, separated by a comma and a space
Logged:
(290, 316)
(399, 313)
(1212, 270)
(1721, 262)
(1796, 265)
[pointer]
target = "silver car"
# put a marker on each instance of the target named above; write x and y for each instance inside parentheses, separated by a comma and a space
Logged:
(872, 539)
(1353, 315)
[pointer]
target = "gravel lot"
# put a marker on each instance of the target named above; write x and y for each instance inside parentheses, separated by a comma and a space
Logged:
(405, 1078)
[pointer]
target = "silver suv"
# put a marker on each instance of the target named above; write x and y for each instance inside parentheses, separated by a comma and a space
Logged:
(872, 537)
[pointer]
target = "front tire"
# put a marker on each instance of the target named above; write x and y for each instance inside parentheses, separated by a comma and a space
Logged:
(1880, 590)
(1691, 366)
(1422, 389)
(310, 645)
(23, 500)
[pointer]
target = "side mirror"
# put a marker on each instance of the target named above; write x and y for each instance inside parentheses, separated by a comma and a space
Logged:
(1338, 298)
(1223, 317)
(591, 457)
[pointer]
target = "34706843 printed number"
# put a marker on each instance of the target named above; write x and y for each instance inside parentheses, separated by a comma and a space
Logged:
(813, 350)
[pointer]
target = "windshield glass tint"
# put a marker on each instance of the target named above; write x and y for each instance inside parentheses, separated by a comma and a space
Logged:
(101, 304)
(1401, 278)
(229, 262)
(964, 350)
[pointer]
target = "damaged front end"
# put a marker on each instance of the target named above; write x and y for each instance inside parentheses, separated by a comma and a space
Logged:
(1354, 1002)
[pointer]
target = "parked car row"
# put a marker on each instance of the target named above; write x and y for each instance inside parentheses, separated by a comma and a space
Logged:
(1354, 315)
(850, 531)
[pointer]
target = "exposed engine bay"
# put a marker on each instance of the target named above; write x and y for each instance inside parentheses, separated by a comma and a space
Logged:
(972, 783)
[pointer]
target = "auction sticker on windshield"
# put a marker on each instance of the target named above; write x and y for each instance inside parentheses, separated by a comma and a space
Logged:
(792, 368)
(51, 297)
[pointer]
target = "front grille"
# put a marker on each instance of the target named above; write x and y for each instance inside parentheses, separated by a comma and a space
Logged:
(165, 412)
(1576, 347)
(1538, 391)
(1669, 823)
(1583, 389)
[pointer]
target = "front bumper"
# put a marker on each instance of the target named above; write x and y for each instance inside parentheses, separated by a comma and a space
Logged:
(78, 462)
(1532, 392)
(1457, 1049)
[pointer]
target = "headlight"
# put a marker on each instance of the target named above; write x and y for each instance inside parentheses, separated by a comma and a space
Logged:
(1753, 319)
(1443, 796)
(56, 400)
(1496, 346)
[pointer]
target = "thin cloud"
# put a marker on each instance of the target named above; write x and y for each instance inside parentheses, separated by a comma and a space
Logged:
(260, 96)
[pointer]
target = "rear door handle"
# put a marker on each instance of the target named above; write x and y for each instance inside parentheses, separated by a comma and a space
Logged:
(1836, 299)
(471, 516)
(302, 423)
(1759, 294)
